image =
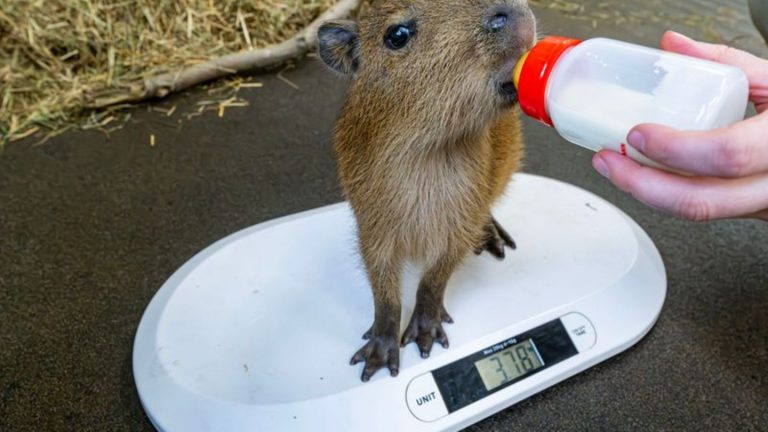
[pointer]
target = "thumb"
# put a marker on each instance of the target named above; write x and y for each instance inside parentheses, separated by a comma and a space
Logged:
(755, 67)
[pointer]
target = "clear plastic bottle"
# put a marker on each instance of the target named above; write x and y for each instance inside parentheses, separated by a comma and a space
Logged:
(594, 92)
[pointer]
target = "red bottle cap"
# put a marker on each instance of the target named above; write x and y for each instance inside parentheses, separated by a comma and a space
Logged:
(532, 75)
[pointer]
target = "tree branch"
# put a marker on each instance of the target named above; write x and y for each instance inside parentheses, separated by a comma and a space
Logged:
(162, 85)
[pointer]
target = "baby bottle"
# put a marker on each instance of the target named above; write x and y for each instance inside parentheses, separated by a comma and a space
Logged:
(594, 92)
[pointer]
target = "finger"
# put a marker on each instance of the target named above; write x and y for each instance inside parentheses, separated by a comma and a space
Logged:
(693, 198)
(737, 151)
(755, 67)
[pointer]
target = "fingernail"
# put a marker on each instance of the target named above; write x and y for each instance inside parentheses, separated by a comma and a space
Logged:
(679, 35)
(636, 140)
(599, 164)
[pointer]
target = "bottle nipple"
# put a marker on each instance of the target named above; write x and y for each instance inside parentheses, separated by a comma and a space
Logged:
(519, 70)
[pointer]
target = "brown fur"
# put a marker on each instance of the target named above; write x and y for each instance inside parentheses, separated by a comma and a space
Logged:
(425, 144)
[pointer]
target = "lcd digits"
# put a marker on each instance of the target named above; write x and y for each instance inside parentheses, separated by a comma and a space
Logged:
(509, 364)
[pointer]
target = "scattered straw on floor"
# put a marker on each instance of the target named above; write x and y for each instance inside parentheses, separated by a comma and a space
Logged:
(53, 51)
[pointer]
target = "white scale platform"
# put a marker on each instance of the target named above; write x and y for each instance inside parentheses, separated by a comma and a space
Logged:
(256, 332)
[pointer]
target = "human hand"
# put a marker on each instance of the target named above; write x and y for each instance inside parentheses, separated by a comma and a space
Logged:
(730, 165)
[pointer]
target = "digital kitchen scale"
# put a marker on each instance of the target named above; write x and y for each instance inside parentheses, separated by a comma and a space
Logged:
(256, 332)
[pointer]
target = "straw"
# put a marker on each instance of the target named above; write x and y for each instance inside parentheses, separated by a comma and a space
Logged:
(54, 52)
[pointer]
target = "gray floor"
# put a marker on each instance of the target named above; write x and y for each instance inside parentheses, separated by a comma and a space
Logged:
(90, 228)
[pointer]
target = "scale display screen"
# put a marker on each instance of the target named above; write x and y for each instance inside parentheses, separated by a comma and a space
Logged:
(509, 364)
(478, 375)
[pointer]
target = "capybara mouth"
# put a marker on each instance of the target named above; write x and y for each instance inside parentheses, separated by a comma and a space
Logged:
(508, 92)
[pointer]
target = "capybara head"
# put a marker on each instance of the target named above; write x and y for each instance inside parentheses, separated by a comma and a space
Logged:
(439, 65)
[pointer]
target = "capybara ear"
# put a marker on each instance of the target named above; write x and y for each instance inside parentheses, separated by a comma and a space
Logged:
(339, 45)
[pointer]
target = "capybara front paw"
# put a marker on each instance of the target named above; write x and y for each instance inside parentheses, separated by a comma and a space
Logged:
(495, 238)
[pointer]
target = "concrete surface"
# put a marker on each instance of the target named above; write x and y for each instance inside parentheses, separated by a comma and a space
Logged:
(91, 227)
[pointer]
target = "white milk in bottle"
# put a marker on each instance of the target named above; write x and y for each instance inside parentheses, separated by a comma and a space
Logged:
(594, 92)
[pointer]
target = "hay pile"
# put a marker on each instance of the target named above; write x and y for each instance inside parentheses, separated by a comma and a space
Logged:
(54, 53)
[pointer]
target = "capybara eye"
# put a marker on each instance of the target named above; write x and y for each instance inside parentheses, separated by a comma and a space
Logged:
(397, 36)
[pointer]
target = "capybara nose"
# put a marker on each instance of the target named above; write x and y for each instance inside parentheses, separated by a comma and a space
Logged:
(498, 20)
(514, 26)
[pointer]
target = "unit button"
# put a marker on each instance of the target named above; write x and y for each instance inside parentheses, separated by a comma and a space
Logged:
(424, 399)
(580, 330)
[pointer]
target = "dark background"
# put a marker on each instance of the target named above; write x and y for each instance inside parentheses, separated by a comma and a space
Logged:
(91, 226)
